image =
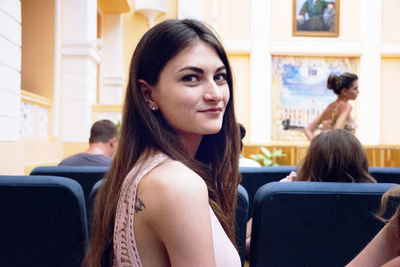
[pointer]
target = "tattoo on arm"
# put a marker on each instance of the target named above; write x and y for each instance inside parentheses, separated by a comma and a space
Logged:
(139, 205)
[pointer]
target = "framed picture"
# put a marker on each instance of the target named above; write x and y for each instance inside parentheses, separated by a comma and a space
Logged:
(299, 93)
(318, 18)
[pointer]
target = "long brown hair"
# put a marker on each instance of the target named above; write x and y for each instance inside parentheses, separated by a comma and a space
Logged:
(393, 192)
(335, 156)
(216, 160)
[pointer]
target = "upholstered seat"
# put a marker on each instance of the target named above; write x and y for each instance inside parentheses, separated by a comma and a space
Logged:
(313, 223)
(42, 221)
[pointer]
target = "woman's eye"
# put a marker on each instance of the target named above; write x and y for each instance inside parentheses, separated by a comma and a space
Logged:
(190, 78)
(220, 77)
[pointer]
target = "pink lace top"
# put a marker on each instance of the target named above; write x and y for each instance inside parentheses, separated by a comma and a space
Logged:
(125, 248)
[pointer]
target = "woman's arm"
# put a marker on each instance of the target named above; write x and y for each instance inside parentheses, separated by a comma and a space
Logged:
(180, 215)
(384, 248)
(290, 178)
(343, 117)
(309, 130)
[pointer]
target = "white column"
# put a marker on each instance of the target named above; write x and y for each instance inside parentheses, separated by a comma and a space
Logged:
(57, 62)
(80, 57)
(260, 71)
(10, 69)
(370, 62)
(111, 63)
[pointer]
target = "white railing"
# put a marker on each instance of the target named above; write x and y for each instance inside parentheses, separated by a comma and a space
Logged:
(34, 116)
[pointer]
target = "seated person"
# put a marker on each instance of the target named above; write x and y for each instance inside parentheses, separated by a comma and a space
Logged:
(384, 249)
(102, 145)
(245, 162)
(333, 156)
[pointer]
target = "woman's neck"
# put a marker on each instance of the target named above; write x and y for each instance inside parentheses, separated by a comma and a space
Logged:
(342, 98)
(191, 143)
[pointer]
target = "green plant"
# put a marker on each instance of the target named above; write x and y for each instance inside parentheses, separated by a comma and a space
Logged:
(118, 125)
(268, 158)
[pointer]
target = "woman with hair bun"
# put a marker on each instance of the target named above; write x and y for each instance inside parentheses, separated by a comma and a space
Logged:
(337, 114)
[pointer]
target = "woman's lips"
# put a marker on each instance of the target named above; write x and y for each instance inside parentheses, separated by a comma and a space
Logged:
(211, 110)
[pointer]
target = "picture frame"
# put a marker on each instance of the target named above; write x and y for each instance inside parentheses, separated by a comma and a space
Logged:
(316, 18)
(299, 91)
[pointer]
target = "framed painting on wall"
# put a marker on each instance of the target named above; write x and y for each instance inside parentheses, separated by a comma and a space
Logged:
(319, 18)
(299, 93)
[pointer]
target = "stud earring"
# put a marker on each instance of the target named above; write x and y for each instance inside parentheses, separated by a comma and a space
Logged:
(153, 108)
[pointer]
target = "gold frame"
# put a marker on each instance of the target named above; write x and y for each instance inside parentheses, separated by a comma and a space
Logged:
(334, 33)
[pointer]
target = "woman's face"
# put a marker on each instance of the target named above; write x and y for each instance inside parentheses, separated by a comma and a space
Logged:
(352, 92)
(192, 91)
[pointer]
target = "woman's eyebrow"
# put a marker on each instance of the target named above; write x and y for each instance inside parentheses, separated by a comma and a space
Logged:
(221, 68)
(195, 69)
(199, 70)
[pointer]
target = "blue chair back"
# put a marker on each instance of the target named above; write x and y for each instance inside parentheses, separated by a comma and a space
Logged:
(385, 174)
(43, 221)
(241, 221)
(86, 176)
(255, 177)
(90, 202)
(313, 223)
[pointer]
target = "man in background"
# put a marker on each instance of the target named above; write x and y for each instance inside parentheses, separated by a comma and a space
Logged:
(102, 146)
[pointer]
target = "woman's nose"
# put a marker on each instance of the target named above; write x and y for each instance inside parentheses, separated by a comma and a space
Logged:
(213, 92)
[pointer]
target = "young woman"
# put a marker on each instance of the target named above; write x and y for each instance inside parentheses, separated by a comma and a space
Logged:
(337, 114)
(384, 249)
(170, 196)
(333, 156)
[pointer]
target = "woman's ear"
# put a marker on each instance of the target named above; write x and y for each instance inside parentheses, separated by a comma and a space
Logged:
(147, 92)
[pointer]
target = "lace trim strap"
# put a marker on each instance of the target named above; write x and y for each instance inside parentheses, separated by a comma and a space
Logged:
(125, 248)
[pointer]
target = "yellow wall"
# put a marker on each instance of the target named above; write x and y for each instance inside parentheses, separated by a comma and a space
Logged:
(11, 162)
(349, 24)
(37, 74)
(390, 96)
(240, 64)
(41, 152)
(234, 19)
(134, 26)
(390, 21)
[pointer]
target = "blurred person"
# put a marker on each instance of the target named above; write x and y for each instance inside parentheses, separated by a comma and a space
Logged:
(384, 249)
(103, 143)
(333, 156)
(337, 115)
(245, 162)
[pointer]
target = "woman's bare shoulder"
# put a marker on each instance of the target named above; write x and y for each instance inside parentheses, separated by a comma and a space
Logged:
(173, 180)
(327, 113)
(174, 173)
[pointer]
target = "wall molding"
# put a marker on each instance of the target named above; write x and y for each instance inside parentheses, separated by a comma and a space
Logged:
(390, 49)
(316, 48)
(82, 49)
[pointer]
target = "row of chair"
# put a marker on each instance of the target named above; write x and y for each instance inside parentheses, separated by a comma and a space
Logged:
(313, 224)
(44, 220)
(39, 194)
(255, 177)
